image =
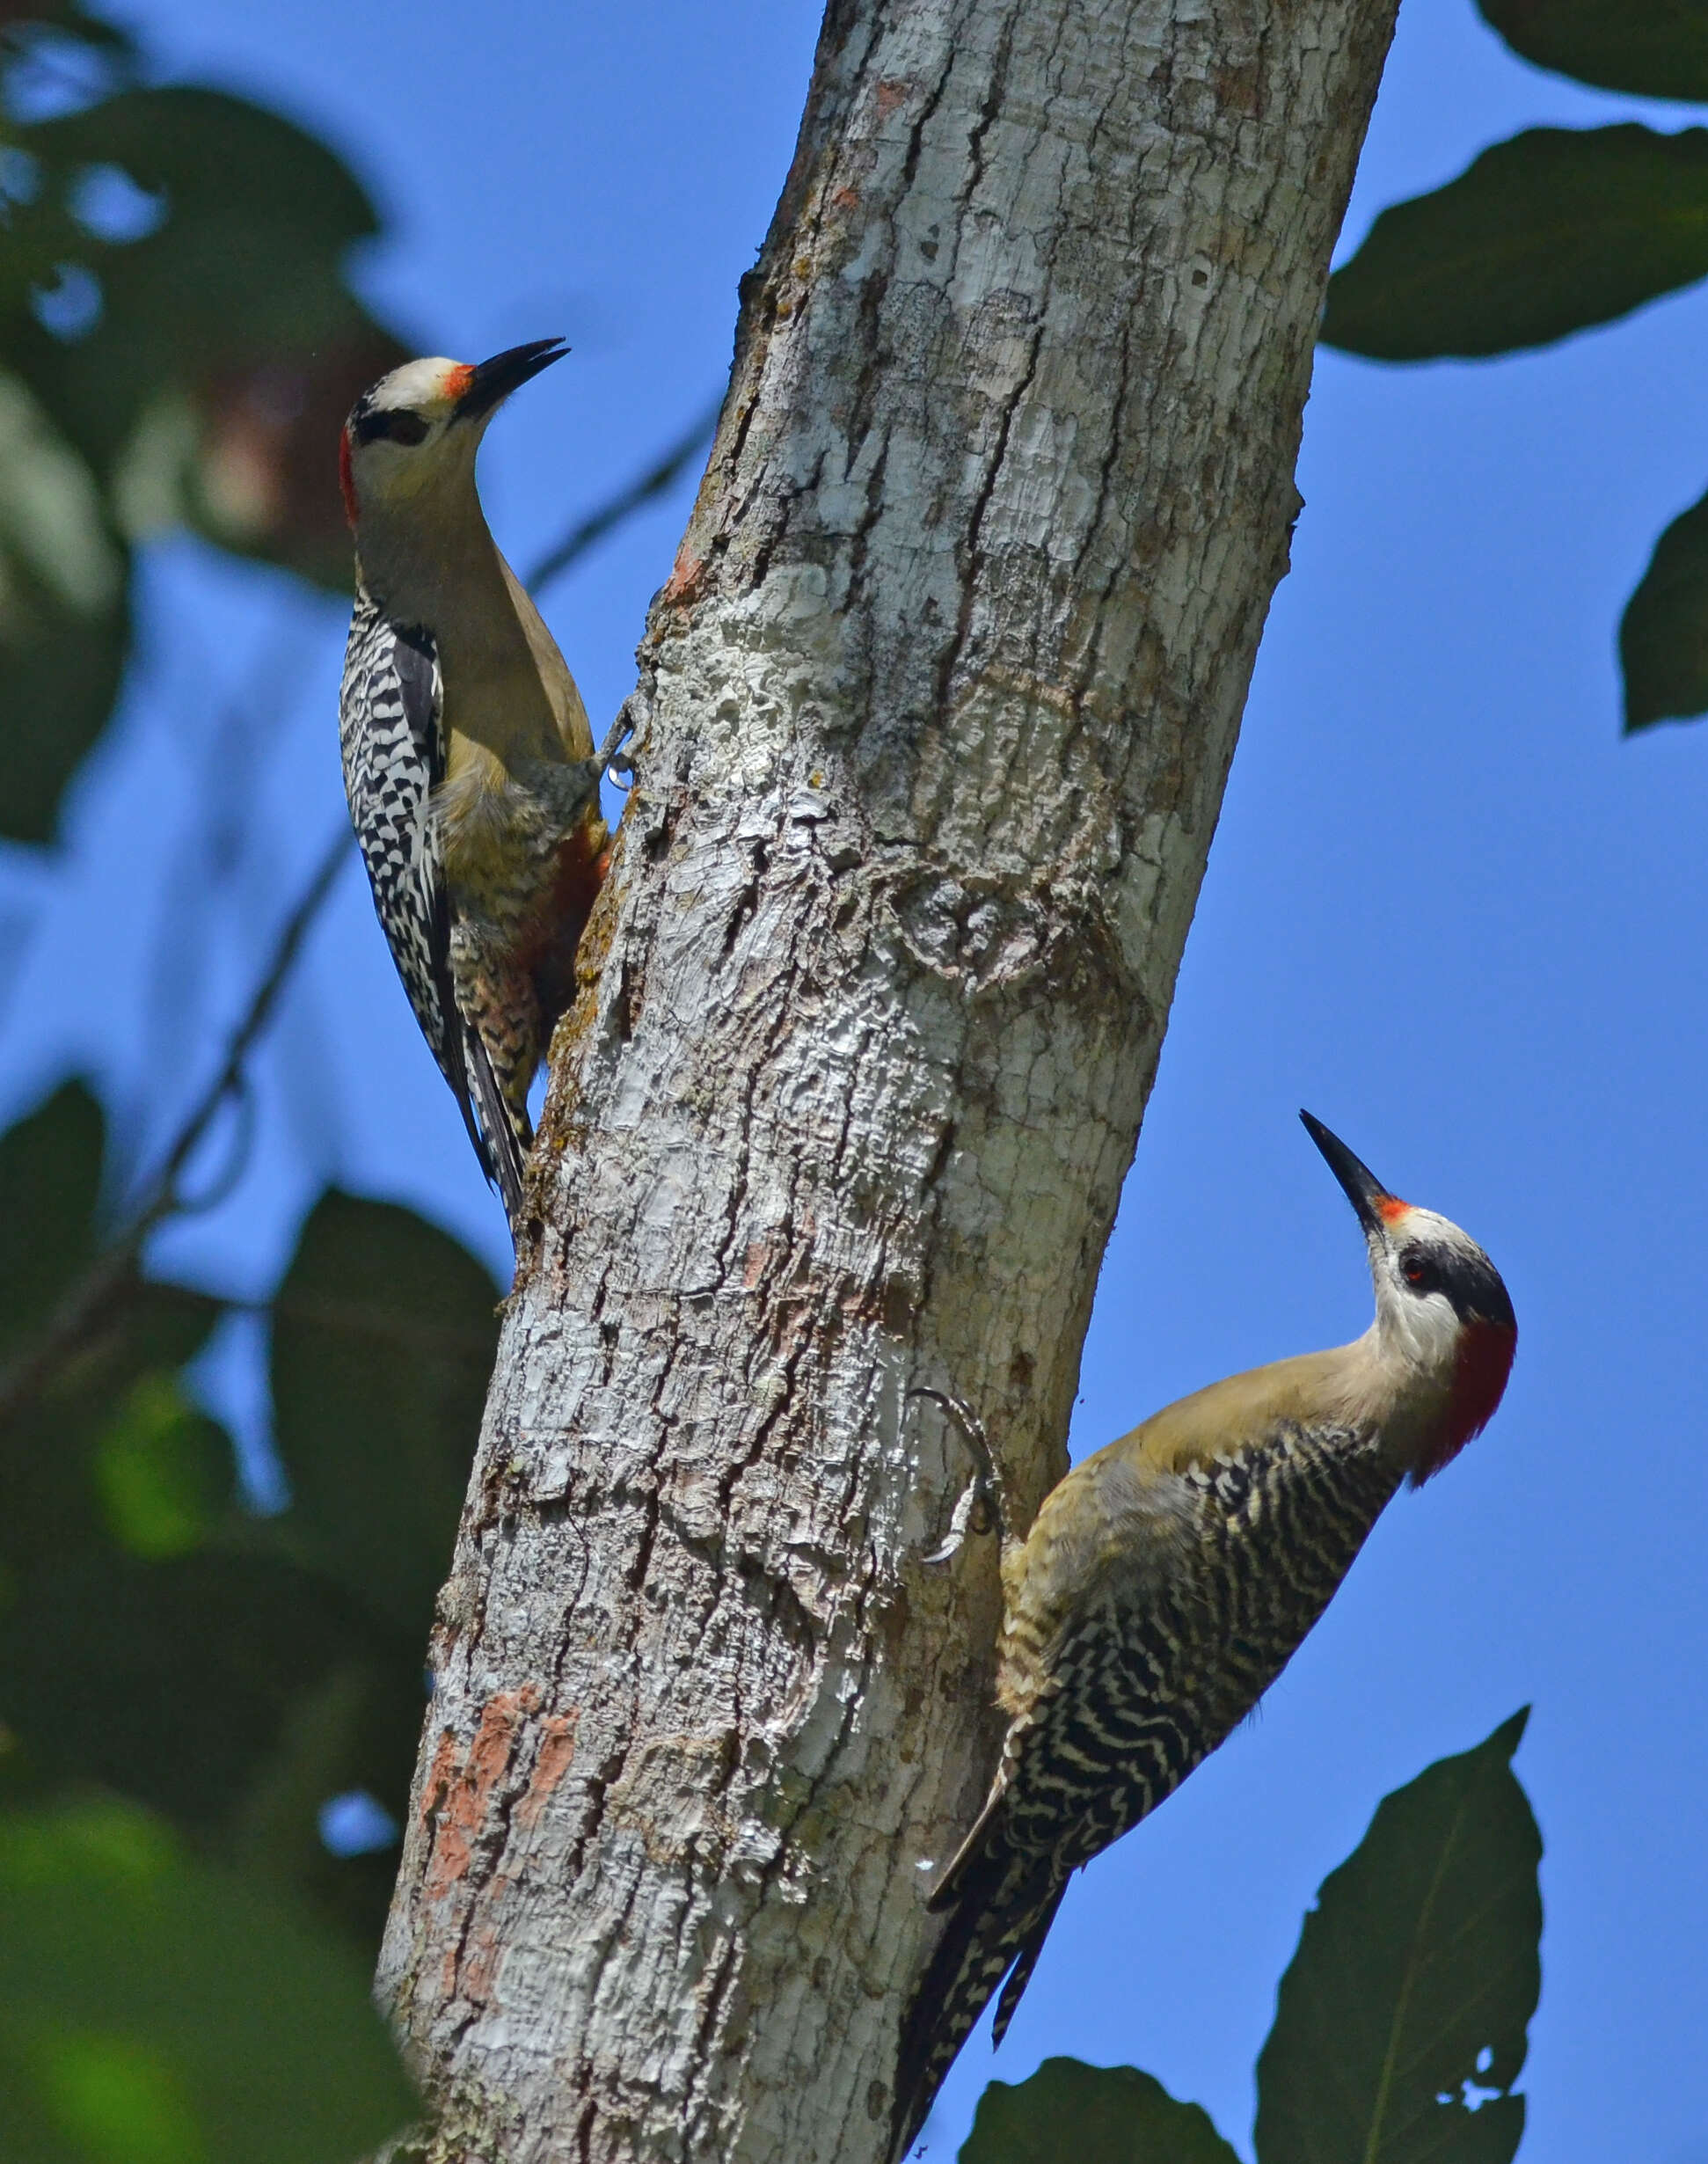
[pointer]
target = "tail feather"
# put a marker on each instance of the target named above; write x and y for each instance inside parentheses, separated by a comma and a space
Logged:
(1004, 1904)
(506, 1134)
(1020, 1975)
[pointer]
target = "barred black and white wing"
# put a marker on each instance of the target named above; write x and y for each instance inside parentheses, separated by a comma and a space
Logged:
(392, 742)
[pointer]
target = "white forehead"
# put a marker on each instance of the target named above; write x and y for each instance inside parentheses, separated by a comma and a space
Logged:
(1430, 1227)
(416, 385)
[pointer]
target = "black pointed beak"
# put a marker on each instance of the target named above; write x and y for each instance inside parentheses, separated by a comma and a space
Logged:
(1364, 1191)
(491, 382)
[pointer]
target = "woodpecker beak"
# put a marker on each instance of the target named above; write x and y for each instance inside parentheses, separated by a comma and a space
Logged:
(1364, 1191)
(491, 382)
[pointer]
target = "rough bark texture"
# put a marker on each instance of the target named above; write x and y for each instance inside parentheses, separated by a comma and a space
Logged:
(935, 716)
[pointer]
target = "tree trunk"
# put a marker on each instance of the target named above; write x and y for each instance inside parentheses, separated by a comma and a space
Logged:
(934, 718)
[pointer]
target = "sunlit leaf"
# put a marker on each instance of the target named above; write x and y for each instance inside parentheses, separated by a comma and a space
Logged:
(382, 1341)
(1546, 234)
(1091, 2115)
(1401, 2022)
(154, 2010)
(163, 1470)
(1656, 48)
(1663, 639)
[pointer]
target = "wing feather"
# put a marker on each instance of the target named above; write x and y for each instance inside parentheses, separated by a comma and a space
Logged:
(393, 742)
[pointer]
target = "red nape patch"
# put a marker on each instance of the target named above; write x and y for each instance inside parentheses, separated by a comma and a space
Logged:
(347, 480)
(1392, 1209)
(1479, 1382)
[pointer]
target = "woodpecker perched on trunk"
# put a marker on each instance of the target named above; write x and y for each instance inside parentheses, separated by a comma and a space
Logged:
(468, 759)
(1167, 1581)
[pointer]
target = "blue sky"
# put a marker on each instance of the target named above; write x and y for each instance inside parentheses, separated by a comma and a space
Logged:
(1447, 909)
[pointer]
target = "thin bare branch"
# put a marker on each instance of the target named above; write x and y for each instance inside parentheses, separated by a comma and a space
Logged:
(654, 481)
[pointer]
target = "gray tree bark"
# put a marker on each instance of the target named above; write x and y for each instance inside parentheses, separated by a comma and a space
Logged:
(935, 714)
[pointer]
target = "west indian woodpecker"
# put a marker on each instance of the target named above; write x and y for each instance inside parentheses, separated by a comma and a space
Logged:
(1167, 1581)
(468, 760)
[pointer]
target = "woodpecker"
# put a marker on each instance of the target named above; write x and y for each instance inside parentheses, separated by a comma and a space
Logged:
(468, 758)
(1169, 1579)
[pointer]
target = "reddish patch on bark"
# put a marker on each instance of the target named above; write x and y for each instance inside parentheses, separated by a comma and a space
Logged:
(845, 199)
(890, 93)
(557, 1755)
(458, 1799)
(686, 583)
(1479, 1382)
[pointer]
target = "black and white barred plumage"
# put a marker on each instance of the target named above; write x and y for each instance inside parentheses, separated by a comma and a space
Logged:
(391, 739)
(1146, 1680)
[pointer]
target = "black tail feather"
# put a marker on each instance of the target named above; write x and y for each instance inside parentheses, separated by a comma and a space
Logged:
(1003, 1905)
(504, 1152)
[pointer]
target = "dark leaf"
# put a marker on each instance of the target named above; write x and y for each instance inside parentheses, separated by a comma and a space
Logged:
(1656, 48)
(382, 1341)
(65, 613)
(1414, 1981)
(154, 2010)
(1663, 639)
(1546, 234)
(1093, 2115)
(50, 1181)
(170, 1682)
(229, 345)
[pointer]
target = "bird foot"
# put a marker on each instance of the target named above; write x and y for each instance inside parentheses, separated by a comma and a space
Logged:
(981, 1507)
(611, 759)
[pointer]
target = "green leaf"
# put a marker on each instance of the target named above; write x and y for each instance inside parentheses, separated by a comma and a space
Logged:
(383, 1336)
(50, 1181)
(1655, 48)
(1546, 234)
(164, 1470)
(1414, 1982)
(1663, 639)
(230, 345)
(1094, 2114)
(154, 2010)
(172, 1682)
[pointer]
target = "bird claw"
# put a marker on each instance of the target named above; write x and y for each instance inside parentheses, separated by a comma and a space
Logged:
(611, 759)
(980, 1507)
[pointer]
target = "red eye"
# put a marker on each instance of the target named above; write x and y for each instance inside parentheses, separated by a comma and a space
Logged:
(1415, 1269)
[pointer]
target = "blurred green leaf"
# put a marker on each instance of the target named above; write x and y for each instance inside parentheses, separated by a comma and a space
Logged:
(229, 345)
(1663, 638)
(64, 615)
(1414, 1981)
(1094, 2114)
(1655, 48)
(1546, 234)
(50, 1181)
(152, 2007)
(200, 380)
(164, 1470)
(383, 1336)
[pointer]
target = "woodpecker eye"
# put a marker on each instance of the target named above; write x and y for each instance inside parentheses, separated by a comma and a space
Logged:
(1419, 1271)
(397, 425)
